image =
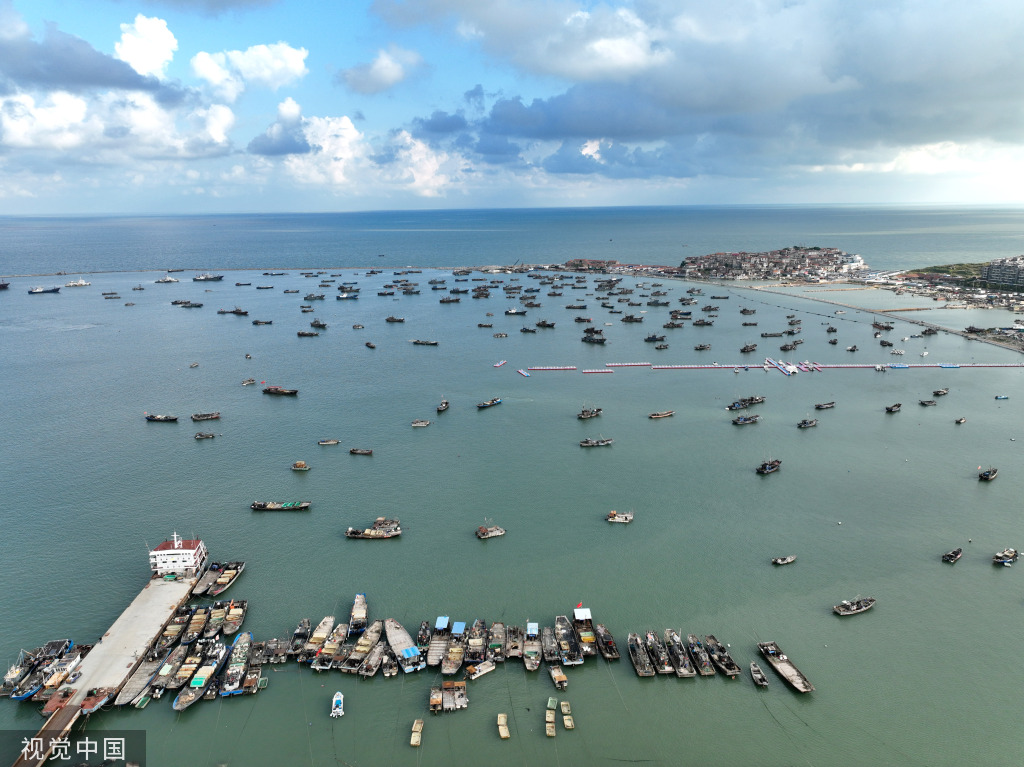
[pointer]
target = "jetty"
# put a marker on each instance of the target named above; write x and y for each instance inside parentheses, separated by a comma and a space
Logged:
(115, 657)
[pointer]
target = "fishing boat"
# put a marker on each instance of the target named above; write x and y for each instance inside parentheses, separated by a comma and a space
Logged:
(720, 656)
(532, 647)
(953, 556)
(662, 414)
(204, 435)
(394, 319)
(161, 418)
(677, 655)
(456, 649)
(205, 416)
(807, 423)
(1001, 396)
(824, 405)
(606, 643)
(623, 517)
(758, 675)
(237, 665)
(324, 658)
(327, 441)
(989, 474)
(174, 630)
(214, 659)
(357, 616)
(513, 641)
(443, 406)
(374, 659)
(407, 654)
(438, 640)
(699, 655)
(207, 277)
(960, 420)
(570, 651)
(196, 626)
(854, 606)
(784, 560)
(583, 625)
(280, 391)
(476, 642)
(744, 420)
(382, 527)
(299, 637)
(338, 705)
(1006, 557)
(558, 677)
(769, 467)
(371, 345)
(893, 408)
(940, 392)
(927, 402)
(658, 654)
(311, 647)
(548, 644)
(360, 451)
(364, 646)
(282, 506)
(38, 290)
(784, 666)
(493, 531)
(638, 654)
(420, 423)
(586, 413)
(590, 442)
(489, 403)
(228, 575)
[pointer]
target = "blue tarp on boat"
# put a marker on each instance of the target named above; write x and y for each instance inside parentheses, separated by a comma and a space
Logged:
(442, 623)
(459, 627)
(410, 652)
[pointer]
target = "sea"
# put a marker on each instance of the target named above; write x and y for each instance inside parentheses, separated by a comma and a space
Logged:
(868, 501)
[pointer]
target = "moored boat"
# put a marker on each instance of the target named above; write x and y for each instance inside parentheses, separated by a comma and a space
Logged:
(228, 575)
(161, 418)
(678, 656)
(807, 423)
(784, 560)
(658, 654)
(586, 413)
(380, 529)
(548, 645)
(363, 648)
(953, 556)
(583, 624)
(338, 705)
(824, 405)
(893, 408)
(720, 656)
(237, 665)
(853, 606)
(1006, 557)
(561, 681)
(357, 616)
(662, 414)
(624, 517)
(784, 666)
(205, 416)
(590, 442)
(699, 654)
(769, 467)
(606, 643)
(456, 650)
(443, 406)
(299, 637)
(489, 532)
(744, 420)
(280, 506)
(280, 391)
(758, 675)
(360, 451)
(532, 647)
(489, 403)
(989, 474)
(407, 654)
(638, 654)
(328, 441)
(569, 651)
(214, 659)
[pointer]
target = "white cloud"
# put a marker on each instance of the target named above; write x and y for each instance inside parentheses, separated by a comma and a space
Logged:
(217, 120)
(272, 66)
(57, 122)
(147, 45)
(386, 71)
(337, 148)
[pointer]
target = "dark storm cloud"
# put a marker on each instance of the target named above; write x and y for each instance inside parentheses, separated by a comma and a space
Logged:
(439, 124)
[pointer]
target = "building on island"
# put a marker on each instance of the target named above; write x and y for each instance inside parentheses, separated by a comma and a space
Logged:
(1004, 271)
(179, 557)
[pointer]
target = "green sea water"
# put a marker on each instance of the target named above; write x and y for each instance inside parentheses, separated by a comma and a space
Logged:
(867, 501)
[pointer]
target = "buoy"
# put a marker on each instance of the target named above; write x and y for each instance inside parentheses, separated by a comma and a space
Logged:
(839, 523)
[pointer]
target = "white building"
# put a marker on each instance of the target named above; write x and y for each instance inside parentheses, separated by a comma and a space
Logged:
(178, 557)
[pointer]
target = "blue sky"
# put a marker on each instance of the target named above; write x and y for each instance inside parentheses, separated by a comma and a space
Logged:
(180, 106)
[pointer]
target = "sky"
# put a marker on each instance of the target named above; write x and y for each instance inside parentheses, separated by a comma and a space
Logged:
(228, 106)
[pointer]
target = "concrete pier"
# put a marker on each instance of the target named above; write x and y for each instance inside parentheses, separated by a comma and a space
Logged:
(118, 653)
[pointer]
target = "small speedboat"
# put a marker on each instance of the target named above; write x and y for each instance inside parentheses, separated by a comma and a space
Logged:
(784, 560)
(421, 422)
(327, 442)
(338, 705)
(300, 466)
(953, 556)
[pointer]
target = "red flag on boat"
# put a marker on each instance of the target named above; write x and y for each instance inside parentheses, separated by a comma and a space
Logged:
(579, 605)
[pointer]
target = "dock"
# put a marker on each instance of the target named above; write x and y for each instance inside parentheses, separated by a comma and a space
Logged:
(116, 656)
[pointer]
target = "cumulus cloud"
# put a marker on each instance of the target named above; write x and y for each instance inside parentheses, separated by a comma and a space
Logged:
(147, 45)
(285, 136)
(387, 70)
(272, 66)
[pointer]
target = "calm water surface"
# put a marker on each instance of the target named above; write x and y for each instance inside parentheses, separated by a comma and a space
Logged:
(921, 679)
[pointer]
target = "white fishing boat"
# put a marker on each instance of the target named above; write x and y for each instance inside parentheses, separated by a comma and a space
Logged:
(338, 705)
